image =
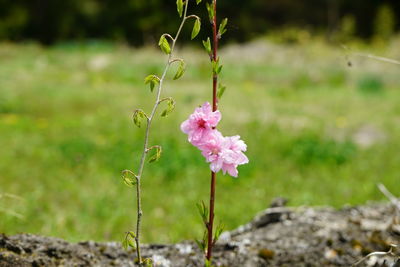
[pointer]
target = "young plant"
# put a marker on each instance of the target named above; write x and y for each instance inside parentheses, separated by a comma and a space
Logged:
(223, 153)
(133, 179)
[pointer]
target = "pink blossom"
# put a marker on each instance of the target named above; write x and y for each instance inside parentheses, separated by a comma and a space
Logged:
(200, 124)
(212, 150)
(233, 155)
(224, 153)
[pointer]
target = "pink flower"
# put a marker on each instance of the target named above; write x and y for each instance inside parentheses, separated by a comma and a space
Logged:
(212, 149)
(233, 155)
(224, 153)
(200, 124)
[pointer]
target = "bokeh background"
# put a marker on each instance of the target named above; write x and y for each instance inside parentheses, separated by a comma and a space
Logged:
(322, 122)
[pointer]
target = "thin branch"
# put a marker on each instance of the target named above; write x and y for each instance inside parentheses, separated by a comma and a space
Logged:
(192, 16)
(371, 56)
(176, 60)
(12, 196)
(12, 213)
(391, 253)
(214, 108)
(395, 201)
(147, 133)
(169, 36)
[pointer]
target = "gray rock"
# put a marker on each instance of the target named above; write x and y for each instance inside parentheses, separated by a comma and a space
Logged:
(278, 236)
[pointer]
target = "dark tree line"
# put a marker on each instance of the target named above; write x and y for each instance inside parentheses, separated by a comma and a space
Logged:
(139, 21)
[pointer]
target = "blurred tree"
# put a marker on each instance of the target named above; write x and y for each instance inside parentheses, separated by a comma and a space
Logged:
(139, 21)
(347, 29)
(384, 24)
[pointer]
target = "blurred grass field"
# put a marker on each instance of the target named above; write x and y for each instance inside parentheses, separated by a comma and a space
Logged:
(318, 132)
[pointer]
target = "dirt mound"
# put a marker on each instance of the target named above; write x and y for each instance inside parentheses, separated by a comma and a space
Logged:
(278, 236)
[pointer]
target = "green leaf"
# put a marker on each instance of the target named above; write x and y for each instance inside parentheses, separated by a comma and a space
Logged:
(156, 156)
(131, 243)
(203, 211)
(148, 262)
(179, 7)
(125, 243)
(218, 71)
(222, 26)
(138, 117)
(153, 80)
(218, 232)
(164, 45)
(181, 70)
(170, 106)
(201, 245)
(129, 178)
(221, 90)
(196, 28)
(132, 234)
(216, 67)
(198, 2)
(131, 239)
(210, 10)
(207, 45)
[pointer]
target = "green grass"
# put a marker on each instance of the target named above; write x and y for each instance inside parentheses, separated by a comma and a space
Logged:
(66, 135)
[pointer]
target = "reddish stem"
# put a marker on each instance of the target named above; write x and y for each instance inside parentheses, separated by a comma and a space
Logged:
(215, 56)
(213, 175)
(211, 218)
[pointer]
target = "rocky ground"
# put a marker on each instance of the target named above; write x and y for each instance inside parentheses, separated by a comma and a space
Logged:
(279, 236)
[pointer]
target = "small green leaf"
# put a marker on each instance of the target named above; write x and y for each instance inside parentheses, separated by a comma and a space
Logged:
(218, 232)
(216, 67)
(156, 156)
(132, 234)
(219, 69)
(148, 262)
(179, 7)
(221, 90)
(207, 45)
(131, 243)
(129, 178)
(131, 239)
(210, 10)
(138, 116)
(164, 45)
(198, 2)
(222, 26)
(170, 106)
(181, 70)
(196, 28)
(203, 211)
(201, 245)
(153, 80)
(125, 244)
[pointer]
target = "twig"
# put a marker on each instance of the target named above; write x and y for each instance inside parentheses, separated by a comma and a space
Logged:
(395, 201)
(147, 133)
(210, 224)
(12, 213)
(371, 56)
(390, 253)
(7, 195)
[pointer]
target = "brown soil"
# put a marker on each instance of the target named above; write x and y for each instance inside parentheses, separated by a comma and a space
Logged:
(278, 236)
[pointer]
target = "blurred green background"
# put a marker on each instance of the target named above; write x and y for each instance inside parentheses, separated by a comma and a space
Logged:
(321, 123)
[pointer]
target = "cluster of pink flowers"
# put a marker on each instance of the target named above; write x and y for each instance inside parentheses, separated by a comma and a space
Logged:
(223, 153)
